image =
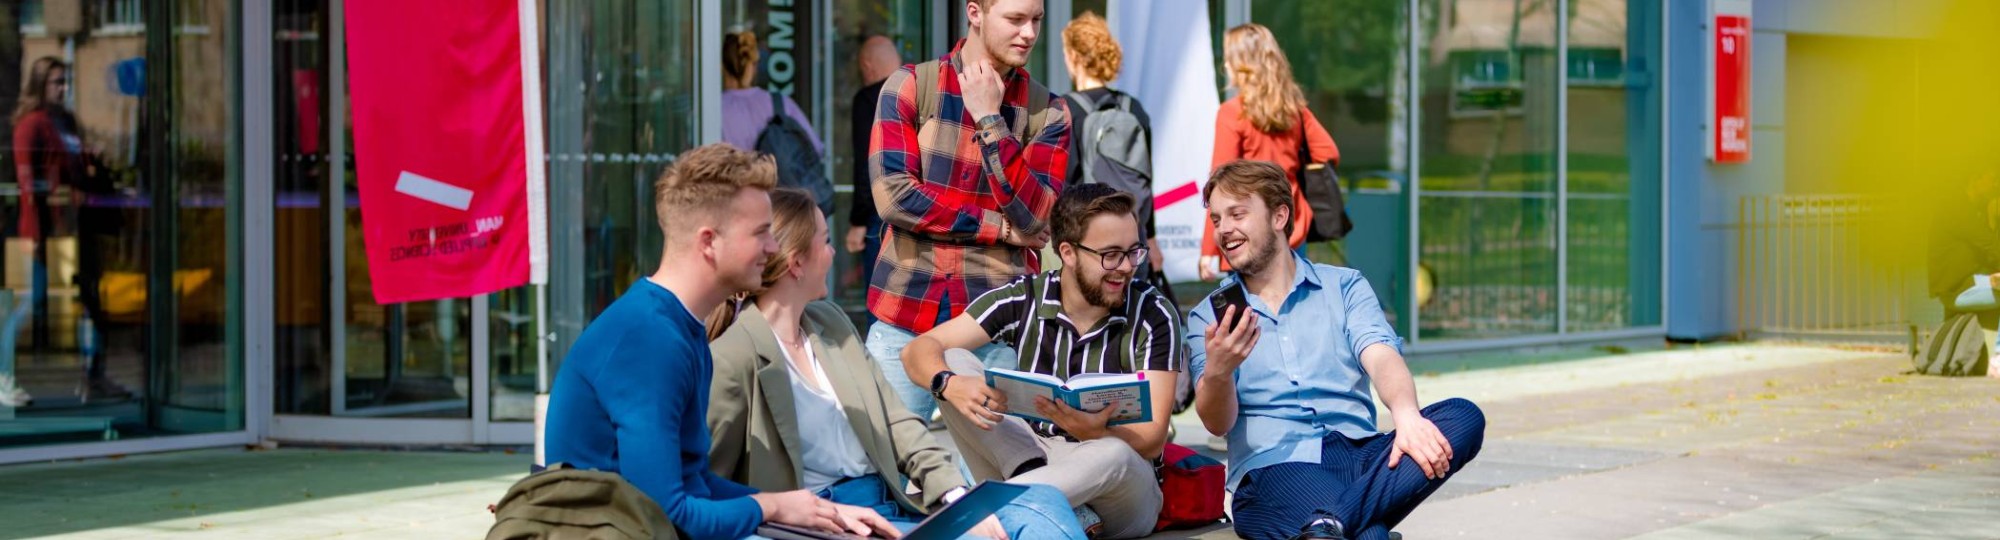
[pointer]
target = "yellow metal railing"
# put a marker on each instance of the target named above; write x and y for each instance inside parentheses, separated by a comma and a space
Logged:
(1824, 265)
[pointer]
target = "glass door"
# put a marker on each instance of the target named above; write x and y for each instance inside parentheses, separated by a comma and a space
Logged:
(122, 267)
(349, 369)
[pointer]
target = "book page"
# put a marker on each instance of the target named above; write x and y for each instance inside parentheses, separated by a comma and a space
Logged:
(1021, 390)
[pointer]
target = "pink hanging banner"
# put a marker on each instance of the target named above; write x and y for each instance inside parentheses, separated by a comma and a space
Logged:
(450, 197)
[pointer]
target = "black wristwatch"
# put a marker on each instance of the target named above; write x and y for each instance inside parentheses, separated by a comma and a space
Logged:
(937, 384)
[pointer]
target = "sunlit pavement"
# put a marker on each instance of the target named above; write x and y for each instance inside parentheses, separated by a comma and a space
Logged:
(1746, 441)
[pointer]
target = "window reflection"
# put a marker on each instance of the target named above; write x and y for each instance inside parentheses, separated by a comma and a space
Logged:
(120, 257)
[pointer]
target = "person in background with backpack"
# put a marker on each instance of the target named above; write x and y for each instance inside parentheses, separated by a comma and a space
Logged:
(966, 196)
(1112, 136)
(1265, 122)
(750, 121)
(1964, 251)
(1112, 143)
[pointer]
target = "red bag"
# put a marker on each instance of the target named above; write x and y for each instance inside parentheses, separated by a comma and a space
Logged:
(1191, 487)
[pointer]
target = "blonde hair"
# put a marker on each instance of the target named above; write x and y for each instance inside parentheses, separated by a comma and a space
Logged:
(793, 216)
(739, 53)
(1097, 52)
(1271, 99)
(699, 185)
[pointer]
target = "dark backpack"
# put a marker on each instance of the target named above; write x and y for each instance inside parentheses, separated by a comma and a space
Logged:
(1321, 188)
(799, 164)
(1115, 150)
(1958, 349)
(565, 502)
(1191, 487)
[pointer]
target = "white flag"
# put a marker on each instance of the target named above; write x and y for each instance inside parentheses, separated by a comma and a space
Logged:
(1170, 67)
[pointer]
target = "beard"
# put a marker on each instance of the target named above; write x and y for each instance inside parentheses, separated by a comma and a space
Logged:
(1093, 291)
(1261, 256)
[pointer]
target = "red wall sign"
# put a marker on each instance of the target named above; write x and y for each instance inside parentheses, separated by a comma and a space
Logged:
(1730, 96)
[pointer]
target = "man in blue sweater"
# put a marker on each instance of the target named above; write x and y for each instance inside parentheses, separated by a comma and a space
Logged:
(632, 395)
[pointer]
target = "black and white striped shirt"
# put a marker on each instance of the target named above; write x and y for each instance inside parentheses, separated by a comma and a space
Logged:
(1026, 313)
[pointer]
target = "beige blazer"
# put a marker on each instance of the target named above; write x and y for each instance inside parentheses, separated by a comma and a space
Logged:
(754, 428)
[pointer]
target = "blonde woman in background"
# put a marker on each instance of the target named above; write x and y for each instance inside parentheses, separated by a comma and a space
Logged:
(1265, 122)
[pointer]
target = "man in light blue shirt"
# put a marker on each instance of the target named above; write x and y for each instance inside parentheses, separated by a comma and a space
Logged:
(1291, 391)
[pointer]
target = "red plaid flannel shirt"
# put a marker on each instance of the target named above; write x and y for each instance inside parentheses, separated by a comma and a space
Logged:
(945, 187)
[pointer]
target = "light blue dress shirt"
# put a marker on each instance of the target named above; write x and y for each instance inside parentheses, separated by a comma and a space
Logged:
(1304, 379)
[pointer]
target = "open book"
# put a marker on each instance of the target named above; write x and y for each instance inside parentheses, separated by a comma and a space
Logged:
(1084, 392)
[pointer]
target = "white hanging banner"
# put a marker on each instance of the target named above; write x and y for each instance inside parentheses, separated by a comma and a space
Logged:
(1168, 65)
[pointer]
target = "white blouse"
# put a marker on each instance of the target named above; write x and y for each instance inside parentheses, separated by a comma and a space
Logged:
(829, 451)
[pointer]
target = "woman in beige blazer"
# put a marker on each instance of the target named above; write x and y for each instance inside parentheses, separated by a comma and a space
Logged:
(797, 404)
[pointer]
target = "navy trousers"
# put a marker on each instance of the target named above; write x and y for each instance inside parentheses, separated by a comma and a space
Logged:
(1353, 482)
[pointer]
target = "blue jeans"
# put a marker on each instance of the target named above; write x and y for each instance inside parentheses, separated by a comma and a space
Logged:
(1042, 512)
(1977, 299)
(885, 345)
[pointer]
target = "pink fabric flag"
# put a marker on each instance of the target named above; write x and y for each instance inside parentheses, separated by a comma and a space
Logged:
(447, 158)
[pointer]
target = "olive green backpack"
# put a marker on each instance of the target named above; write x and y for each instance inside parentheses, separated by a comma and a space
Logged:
(565, 502)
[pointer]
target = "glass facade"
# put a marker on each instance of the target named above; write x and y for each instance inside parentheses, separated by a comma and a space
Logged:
(1349, 57)
(1614, 204)
(123, 255)
(1486, 210)
(1536, 211)
(621, 104)
(1502, 160)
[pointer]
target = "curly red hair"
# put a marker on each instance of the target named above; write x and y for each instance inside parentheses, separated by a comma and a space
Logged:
(1089, 39)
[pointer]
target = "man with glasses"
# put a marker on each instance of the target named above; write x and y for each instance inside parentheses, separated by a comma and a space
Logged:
(1088, 317)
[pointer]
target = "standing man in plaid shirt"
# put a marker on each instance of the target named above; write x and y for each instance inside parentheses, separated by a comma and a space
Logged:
(968, 155)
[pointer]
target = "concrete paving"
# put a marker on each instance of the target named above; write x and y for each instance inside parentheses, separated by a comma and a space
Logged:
(1749, 441)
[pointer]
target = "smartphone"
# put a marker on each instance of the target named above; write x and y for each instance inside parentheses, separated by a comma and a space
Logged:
(1232, 295)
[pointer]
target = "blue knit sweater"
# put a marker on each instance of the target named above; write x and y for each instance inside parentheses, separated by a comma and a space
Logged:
(632, 398)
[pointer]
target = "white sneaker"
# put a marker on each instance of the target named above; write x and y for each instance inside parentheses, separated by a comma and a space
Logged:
(1218, 444)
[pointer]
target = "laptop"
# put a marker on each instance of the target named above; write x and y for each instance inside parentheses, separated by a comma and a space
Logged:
(948, 524)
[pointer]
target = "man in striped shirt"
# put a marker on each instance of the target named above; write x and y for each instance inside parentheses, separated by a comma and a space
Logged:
(1088, 317)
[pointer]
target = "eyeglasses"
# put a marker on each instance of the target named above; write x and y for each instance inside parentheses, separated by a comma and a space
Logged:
(64, 81)
(1113, 258)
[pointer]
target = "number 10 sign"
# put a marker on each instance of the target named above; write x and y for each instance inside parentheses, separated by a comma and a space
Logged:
(1729, 89)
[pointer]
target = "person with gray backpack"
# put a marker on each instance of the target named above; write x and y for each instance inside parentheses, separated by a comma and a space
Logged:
(1111, 141)
(1964, 266)
(1112, 144)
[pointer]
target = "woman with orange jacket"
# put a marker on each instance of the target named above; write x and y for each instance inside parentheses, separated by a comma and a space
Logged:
(1265, 121)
